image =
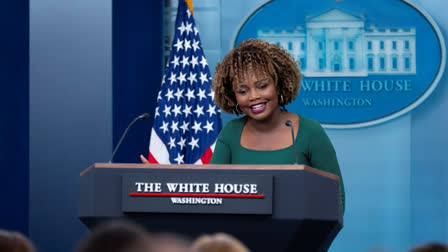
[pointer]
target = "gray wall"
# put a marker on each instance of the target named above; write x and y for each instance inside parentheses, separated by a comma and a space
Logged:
(70, 111)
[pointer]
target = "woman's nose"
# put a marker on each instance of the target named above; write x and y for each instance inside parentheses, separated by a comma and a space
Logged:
(253, 95)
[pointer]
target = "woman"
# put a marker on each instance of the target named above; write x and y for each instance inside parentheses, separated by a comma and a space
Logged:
(258, 79)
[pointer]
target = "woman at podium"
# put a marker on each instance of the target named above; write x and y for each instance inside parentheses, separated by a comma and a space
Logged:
(258, 79)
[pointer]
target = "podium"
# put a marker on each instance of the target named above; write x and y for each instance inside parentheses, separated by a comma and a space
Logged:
(300, 210)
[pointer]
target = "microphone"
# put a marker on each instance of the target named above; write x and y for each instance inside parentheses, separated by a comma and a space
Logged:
(289, 124)
(142, 117)
(138, 118)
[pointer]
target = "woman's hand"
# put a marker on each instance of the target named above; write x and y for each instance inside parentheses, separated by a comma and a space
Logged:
(144, 160)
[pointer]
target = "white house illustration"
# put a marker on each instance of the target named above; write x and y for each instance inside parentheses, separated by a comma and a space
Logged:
(337, 43)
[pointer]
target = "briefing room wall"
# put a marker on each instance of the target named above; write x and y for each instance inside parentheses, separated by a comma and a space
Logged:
(71, 118)
(429, 152)
(70, 112)
(395, 172)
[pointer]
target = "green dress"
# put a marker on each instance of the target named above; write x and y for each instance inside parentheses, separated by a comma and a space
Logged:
(313, 148)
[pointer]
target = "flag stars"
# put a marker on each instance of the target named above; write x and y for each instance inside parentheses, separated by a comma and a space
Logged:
(175, 61)
(195, 45)
(189, 28)
(193, 143)
(179, 94)
(211, 110)
(182, 28)
(194, 61)
(208, 126)
(159, 95)
(192, 78)
(190, 94)
(169, 94)
(179, 159)
(185, 61)
(203, 62)
(167, 110)
(196, 127)
(188, 12)
(184, 127)
(187, 110)
(212, 94)
(181, 143)
(203, 78)
(178, 45)
(172, 143)
(164, 127)
(199, 111)
(181, 78)
(201, 94)
(185, 117)
(195, 30)
(187, 44)
(176, 110)
(174, 127)
(172, 78)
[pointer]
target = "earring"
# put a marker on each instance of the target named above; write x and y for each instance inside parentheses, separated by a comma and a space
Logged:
(237, 109)
(282, 101)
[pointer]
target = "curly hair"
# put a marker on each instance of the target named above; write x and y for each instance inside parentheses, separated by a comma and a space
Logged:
(262, 57)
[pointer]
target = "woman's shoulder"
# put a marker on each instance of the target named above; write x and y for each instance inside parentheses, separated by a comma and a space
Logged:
(311, 130)
(233, 127)
(235, 123)
(310, 125)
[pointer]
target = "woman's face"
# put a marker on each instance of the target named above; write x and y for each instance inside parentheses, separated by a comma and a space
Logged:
(257, 95)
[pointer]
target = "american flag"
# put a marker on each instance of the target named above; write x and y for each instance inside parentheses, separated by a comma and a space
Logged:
(186, 122)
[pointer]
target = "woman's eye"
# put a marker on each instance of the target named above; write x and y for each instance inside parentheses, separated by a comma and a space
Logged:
(262, 86)
(242, 91)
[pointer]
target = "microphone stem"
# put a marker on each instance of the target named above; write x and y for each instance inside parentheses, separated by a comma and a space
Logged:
(122, 137)
(293, 145)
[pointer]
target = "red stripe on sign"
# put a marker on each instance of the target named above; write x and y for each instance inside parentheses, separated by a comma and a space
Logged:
(197, 195)
(152, 159)
(207, 156)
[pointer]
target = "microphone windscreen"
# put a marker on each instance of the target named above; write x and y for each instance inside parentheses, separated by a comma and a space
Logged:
(288, 123)
(143, 116)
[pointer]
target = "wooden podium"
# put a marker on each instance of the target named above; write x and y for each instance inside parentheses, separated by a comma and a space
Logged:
(305, 214)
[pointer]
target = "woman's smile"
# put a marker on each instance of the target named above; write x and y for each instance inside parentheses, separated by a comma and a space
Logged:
(258, 108)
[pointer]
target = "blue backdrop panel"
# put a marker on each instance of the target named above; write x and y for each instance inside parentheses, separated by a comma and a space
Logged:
(14, 111)
(137, 72)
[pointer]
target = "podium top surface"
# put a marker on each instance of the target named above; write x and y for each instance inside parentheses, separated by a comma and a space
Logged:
(208, 167)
